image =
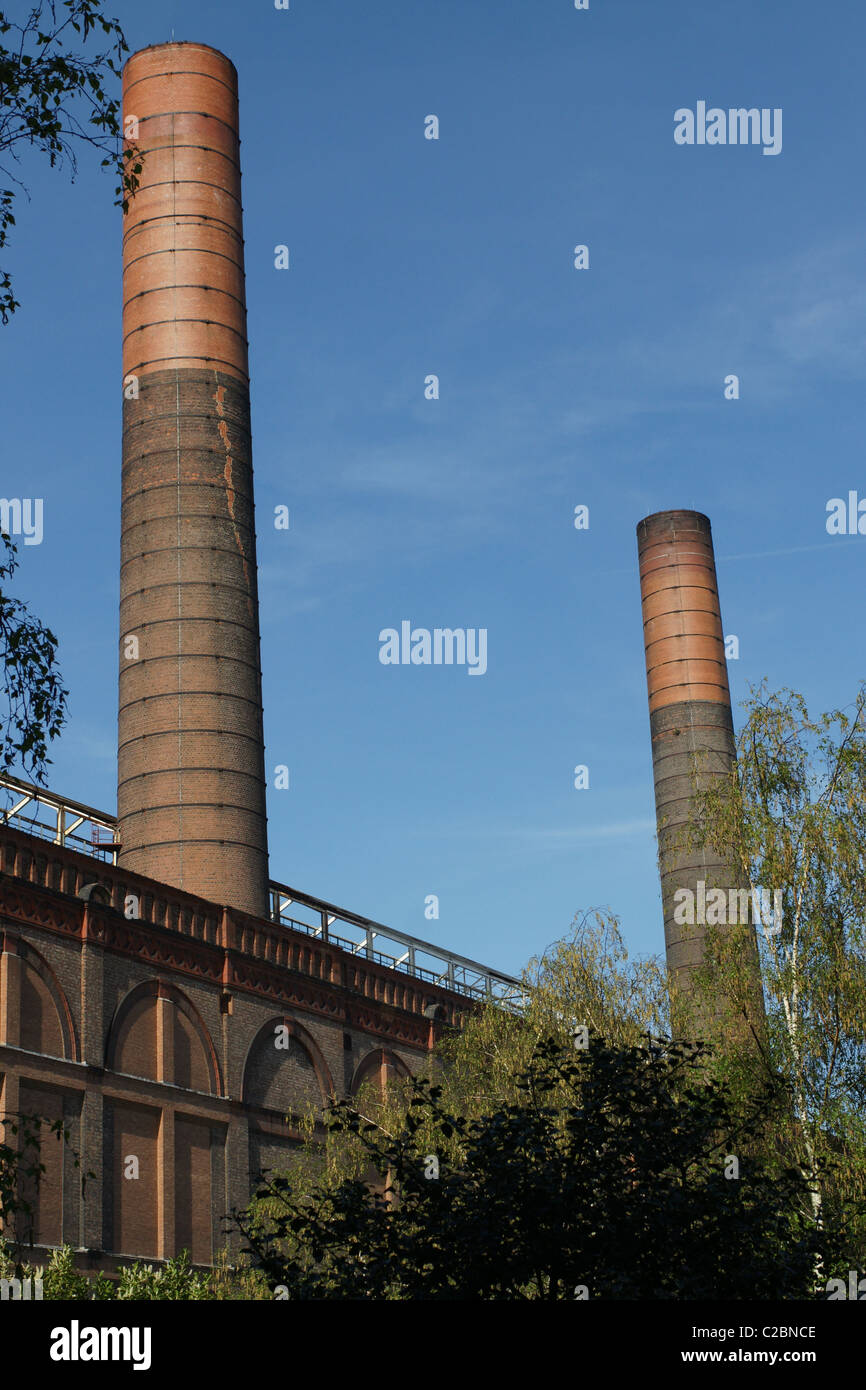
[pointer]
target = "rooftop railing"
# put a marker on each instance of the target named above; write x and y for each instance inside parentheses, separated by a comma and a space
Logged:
(57, 819)
(61, 821)
(395, 949)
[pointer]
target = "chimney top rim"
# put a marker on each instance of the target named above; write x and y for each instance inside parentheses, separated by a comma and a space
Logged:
(180, 43)
(677, 515)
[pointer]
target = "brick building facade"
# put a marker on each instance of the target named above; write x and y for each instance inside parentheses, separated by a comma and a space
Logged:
(154, 1039)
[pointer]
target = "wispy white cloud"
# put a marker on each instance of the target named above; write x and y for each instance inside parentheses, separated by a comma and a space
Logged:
(553, 835)
(818, 306)
(460, 477)
(617, 830)
(806, 310)
(792, 550)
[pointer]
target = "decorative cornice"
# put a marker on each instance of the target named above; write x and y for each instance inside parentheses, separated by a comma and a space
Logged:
(39, 907)
(226, 967)
(155, 945)
(288, 987)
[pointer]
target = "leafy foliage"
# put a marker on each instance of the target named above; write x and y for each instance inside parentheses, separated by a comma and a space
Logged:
(607, 1174)
(32, 690)
(586, 980)
(54, 99)
(62, 1282)
(22, 1170)
(792, 817)
(174, 1280)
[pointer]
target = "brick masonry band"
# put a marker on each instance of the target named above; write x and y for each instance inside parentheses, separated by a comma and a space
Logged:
(183, 268)
(191, 780)
(683, 636)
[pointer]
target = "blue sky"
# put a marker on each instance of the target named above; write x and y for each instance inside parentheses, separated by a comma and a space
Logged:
(558, 387)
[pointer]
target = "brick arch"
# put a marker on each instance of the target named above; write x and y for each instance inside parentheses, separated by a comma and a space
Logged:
(371, 1067)
(46, 1024)
(132, 1034)
(262, 1085)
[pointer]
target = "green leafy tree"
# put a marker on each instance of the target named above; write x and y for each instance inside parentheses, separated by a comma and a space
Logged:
(237, 1281)
(34, 697)
(586, 981)
(610, 1178)
(62, 1282)
(53, 98)
(792, 819)
(174, 1280)
(171, 1281)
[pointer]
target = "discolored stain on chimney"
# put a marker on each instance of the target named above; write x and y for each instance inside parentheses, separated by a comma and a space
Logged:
(219, 395)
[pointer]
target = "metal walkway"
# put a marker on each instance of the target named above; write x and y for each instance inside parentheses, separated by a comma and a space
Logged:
(69, 823)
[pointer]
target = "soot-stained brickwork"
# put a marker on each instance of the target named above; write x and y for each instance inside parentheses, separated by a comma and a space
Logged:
(191, 778)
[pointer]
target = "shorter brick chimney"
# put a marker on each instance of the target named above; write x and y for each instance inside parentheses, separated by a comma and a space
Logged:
(690, 714)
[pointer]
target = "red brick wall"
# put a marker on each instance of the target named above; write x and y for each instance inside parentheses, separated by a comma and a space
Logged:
(134, 1132)
(192, 1189)
(135, 1049)
(40, 1023)
(191, 1068)
(44, 1226)
(201, 1002)
(282, 1079)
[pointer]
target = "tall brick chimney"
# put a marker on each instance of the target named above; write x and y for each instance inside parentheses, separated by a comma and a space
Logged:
(191, 781)
(690, 709)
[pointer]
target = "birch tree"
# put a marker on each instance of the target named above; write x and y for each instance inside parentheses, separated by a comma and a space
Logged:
(792, 817)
